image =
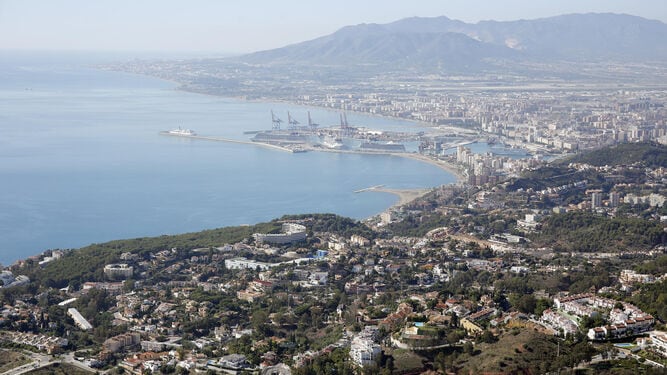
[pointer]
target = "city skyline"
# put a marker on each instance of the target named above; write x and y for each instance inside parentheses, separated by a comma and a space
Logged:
(207, 26)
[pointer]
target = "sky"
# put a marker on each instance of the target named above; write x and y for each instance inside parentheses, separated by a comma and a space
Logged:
(240, 26)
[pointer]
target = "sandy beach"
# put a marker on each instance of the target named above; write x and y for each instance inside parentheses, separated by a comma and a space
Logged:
(405, 196)
(448, 167)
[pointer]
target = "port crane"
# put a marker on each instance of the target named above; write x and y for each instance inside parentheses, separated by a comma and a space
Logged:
(313, 126)
(344, 125)
(291, 121)
(276, 121)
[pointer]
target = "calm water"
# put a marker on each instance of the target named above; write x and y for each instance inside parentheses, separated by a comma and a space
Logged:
(81, 161)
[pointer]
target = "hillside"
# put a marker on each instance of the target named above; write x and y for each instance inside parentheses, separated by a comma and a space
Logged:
(586, 232)
(522, 352)
(87, 263)
(650, 155)
(446, 43)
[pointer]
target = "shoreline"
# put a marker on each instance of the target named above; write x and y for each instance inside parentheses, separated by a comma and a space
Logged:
(76, 241)
(405, 196)
(444, 165)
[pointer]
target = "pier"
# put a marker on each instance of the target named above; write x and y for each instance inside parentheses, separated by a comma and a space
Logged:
(369, 188)
(305, 148)
(229, 140)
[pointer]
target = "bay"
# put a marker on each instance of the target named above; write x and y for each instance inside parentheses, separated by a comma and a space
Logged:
(82, 161)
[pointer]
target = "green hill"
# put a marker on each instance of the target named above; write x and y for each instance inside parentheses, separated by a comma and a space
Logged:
(87, 263)
(523, 352)
(588, 232)
(651, 155)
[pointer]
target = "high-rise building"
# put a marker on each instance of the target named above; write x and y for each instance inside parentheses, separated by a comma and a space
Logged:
(596, 200)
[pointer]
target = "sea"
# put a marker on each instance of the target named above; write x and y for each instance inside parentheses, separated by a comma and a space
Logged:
(82, 160)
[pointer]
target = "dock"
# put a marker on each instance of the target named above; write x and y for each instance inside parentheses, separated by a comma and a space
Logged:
(229, 140)
(369, 188)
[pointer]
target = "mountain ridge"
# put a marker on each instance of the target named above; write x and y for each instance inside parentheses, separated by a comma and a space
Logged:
(438, 41)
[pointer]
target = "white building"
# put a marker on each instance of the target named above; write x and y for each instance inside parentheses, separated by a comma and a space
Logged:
(233, 361)
(116, 343)
(6, 277)
(243, 263)
(559, 322)
(659, 342)
(629, 277)
(359, 240)
(79, 320)
(291, 233)
(363, 349)
(118, 271)
(387, 217)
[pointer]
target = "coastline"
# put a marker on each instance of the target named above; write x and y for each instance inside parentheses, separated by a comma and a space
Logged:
(75, 241)
(405, 196)
(446, 166)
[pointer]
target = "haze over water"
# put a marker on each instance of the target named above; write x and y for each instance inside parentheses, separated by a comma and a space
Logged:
(81, 161)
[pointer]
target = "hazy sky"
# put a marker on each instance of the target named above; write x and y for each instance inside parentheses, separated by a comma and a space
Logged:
(250, 25)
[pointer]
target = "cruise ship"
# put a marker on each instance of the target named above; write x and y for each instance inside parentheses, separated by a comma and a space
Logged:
(279, 136)
(332, 143)
(182, 132)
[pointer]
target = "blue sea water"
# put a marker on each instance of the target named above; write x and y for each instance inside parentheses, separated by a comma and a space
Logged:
(81, 161)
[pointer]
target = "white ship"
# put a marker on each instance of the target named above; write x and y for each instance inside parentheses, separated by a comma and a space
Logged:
(182, 132)
(332, 143)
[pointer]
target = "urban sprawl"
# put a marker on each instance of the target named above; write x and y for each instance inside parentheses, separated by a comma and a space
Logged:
(546, 263)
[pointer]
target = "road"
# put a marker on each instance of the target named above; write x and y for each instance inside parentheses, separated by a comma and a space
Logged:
(43, 360)
(38, 360)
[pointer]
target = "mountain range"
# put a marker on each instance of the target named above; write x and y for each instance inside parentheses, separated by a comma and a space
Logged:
(443, 42)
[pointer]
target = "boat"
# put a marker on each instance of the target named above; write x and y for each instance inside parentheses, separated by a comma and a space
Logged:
(182, 132)
(332, 143)
(280, 136)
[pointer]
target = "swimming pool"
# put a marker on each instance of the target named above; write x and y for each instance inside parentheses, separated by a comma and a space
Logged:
(624, 345)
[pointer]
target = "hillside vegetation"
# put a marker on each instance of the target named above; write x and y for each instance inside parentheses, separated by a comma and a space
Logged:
(524, 352)
(650, 155)
(88, 262)
(588, 232)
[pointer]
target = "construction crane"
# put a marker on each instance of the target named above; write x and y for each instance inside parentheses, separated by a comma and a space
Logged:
(313, 126)
(276, 121)
(291, 122)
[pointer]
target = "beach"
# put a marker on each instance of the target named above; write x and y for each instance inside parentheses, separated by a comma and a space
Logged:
(405, 196)
(446, 166)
